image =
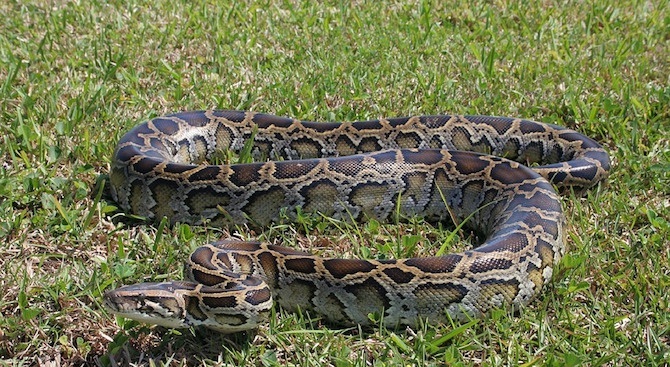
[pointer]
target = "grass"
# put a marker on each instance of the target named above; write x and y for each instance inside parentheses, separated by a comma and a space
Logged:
(75, 75)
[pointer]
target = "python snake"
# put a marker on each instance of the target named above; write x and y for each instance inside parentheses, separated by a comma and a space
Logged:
(443, 168)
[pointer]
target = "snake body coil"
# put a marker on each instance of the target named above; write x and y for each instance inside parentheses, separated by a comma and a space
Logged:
(443, 168)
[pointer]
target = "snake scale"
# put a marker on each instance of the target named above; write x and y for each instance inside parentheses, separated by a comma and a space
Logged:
(471, 169)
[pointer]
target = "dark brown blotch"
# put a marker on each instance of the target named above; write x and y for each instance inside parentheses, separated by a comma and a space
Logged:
(294, 169)
(583, 169)
(321, 126)
(349, 165)
(146, 165)
(600, 156)
(193, 118)
(244, 174)
(531, 127)
(159, 145)
(166, 126)
(205, 173)
(435, 264)
(177, 168)
(300, 265)
(469, 163)
(339, 268)
(258, 296)
(398, 121)
(500, 124)
(504, 173)
(436, 121)
(423, 156)
(543, 198)
(503, 242)
(213, 298)
(193, 308)
(367, 125)
(264, 120)
(532, 219)
(486, 264)
(124, 154)
(233, 244)
(230, 115)
(399, 276)
(269, 264)
(203, 256)
(208, 279)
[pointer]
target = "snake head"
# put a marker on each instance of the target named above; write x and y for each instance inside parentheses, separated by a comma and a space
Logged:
(163, 304)
(184, 304)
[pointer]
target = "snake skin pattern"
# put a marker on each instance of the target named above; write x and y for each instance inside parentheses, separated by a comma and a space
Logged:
(443, 168)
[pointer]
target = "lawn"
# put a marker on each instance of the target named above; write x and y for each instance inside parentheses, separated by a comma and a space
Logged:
(74, 76)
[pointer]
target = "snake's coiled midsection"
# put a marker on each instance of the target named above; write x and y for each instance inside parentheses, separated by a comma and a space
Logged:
(443, 168)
